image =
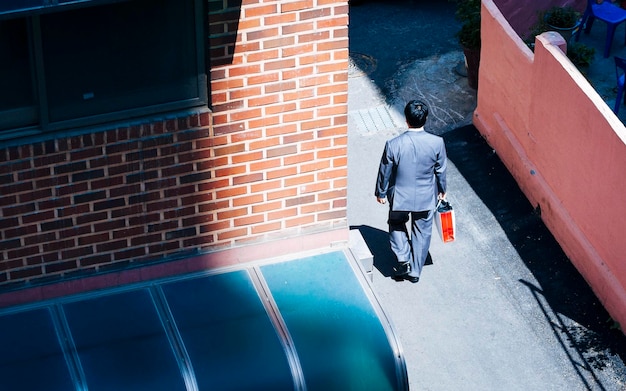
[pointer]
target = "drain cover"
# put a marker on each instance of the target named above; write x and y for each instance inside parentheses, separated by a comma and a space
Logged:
(361, 64)
(375, 119)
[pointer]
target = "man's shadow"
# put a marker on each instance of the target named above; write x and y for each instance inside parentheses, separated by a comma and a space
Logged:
(378, 243)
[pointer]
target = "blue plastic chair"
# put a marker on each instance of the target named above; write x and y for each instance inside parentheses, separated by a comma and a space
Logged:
(607, 12)
(620, 74)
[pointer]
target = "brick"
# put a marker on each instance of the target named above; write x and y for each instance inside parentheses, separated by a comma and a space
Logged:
(300, 180)
(212, 206)
(162, 205)
(179, 191)
(299, 72)
(34, 173)
(285, 150)
(232, 234)
(140, 177)
(69, 168)
(60, 266)
(130, 254)
(282, 214)
(20, 231)
(99, 259)
(25, 273)
(10, 244)
(229, 214)
(85, 218)
(11, 222)
(315, 187)
(230, 171)
(110, 225)
(266, 206)
(263, 79)
(284, 63)
(16, 188)
(338, 173)
(141, 219)
(298, 159)
(263, 55)
(214, 227)
(231, 192)
(315, 166)
(298, 137)
(249, 220)
(193, 200)
(92, 239)
(181, 233)
(299, 200)
(146, 239)
(245, 93)
(238, 180)
(263, 228)
(229, 150)
(328, 153)
(299, 221)
(279, 19)
(23, 252)
(71, 189)
(339, 214)
(317, 58)
(89, 197)
(265, 185)
(332, 195)
(288, 171)
(35, 195)
(315, 208)
(18, 210)
(280, 42)
(295, 6)
(78, 252)
(109, 204)
(111, 246)
(264, 121)
(58, 245)
(282, 194)
(248, 200)
(282, 86)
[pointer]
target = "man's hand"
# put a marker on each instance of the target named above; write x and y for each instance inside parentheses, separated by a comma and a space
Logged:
(441, 196)
(381, 200)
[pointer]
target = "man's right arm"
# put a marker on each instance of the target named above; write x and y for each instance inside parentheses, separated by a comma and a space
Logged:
(384, 173)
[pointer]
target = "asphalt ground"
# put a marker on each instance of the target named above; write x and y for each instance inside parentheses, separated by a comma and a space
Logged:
(500, 308)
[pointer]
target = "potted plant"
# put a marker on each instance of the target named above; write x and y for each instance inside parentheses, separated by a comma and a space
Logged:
(468, 13)
(580, 55)
(564, 20)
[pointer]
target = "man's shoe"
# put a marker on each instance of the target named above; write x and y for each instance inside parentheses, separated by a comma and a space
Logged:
(412, 279)
(403, 277)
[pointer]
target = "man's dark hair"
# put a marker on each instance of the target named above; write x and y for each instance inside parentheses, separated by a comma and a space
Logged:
(416, 113)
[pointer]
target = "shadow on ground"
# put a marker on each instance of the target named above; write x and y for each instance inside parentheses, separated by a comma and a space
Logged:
(378, 243)
(562, 292)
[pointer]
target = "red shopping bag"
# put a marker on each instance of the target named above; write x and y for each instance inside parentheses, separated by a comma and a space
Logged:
(444, 219)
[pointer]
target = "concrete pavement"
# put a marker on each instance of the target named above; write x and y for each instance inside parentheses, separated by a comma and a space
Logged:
(501, 308)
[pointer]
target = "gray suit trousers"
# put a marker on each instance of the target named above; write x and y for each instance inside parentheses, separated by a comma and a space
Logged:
(413, 250)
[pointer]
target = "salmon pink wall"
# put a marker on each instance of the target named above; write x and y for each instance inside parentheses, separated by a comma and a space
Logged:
(564, 146)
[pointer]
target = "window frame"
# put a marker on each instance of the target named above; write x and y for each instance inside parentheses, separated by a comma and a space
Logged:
(39, 113)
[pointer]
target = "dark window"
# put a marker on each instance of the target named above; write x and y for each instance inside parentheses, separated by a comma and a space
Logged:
(101, 63)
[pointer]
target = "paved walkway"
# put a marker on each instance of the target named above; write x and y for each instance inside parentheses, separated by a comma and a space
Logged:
(501, 308)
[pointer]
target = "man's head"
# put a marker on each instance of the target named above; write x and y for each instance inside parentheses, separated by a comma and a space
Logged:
(416, 113)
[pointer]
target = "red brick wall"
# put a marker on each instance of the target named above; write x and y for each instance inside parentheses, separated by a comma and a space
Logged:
(279, 87)
(270, 162)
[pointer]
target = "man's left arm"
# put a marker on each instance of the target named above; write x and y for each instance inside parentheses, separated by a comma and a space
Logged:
(440, 170)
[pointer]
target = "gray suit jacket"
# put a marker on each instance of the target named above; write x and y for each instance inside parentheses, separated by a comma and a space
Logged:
(412, 171)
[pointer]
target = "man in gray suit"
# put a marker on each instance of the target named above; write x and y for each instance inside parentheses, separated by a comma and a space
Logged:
(412, 175)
